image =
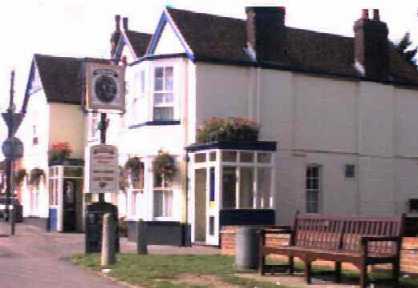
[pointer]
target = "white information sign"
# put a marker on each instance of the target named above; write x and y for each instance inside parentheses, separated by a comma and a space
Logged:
(103, 169)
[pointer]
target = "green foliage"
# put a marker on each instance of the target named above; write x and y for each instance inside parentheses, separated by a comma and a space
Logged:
(135, 168)
(19, 176)
(35, 176)
(230, 129)
(404, 48)
(165, 165)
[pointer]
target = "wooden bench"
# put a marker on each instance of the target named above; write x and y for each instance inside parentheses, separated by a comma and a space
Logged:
(361, 241)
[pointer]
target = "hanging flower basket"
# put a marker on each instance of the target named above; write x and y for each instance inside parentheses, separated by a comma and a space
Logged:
(232, 129)
(35, 177)
(165, 165)
(135, 168)
(59, 152)
(19, 176)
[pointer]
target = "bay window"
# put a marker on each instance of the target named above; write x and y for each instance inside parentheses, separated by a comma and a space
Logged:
(163, 93)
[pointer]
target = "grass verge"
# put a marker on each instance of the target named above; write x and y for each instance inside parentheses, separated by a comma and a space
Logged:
(162, 271)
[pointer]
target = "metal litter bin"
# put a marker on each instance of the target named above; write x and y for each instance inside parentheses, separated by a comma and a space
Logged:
(247, 248)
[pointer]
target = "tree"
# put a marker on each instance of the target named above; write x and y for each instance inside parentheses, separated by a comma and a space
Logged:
(403, 47)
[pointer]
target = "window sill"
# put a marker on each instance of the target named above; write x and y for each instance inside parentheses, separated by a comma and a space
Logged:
(155, 123)
(171, 218)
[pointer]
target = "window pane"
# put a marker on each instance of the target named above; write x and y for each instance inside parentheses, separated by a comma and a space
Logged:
(246, 188)
(158, 84)
(168, 203)
(313, 183)
(212, 184)
(168, 97)
(163, 113)
(229, 156)
(163, 202)
(142, 82)
(169, 78)
(263, 157)
(158, 203)
(247, 157)
(200, 157)
(158, 98)
(229, 187)
(159, 72)
(263, 187)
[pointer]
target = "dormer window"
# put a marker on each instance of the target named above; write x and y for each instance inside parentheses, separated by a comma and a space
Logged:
(163, 94)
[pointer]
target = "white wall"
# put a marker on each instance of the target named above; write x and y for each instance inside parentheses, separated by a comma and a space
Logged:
(327, 121)
(67, 124)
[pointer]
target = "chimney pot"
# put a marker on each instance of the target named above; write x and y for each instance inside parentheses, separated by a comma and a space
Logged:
(376, 15)
(365, 14)
(125, 23)
(371, 48)
(117, 22)
(265, 30)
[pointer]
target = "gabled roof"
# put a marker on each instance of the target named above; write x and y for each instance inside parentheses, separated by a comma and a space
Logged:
(221, 39)
(61, 78)
(138, 41)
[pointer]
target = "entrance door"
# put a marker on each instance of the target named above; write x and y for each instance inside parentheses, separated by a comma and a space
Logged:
(69, 199)
(200, 205)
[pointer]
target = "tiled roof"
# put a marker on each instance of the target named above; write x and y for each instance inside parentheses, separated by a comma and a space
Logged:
(139, 41)
(62, 77)
(224, 39)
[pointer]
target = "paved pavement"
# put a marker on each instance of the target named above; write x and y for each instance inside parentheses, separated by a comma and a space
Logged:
(37, 259)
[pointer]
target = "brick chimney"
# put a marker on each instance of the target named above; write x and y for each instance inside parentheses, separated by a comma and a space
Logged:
(265, 30)
(125, 23)
(371, 46)
(114, 39)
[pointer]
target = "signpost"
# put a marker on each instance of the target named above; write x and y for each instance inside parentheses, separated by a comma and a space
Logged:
(105, 92)
(12, 149)
(104, 169)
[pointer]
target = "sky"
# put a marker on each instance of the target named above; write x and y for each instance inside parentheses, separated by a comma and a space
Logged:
(82, 28)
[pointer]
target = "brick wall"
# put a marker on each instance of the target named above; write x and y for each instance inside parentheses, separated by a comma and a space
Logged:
(409, 256)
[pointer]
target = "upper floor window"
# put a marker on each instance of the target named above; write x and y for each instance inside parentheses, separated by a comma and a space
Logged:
(142, 83)
(163, 93)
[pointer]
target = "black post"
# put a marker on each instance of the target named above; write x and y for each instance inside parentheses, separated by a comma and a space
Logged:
(103, 128)
(9, 160)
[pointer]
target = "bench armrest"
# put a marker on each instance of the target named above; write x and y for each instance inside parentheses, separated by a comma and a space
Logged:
(276, 230)
(380, 238)
(365, 240)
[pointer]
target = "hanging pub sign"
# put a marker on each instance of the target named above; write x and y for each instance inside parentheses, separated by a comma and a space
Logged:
(105, 87)
(103, 169)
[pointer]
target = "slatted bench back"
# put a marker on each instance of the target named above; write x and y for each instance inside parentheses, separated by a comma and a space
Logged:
(356, 227)
(317, 232)
(344, 233)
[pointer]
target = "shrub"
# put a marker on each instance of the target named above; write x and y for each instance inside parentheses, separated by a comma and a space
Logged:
(230, 129)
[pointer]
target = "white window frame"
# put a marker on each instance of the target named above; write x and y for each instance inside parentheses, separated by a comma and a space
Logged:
(164, 189)
(163, 91)
(310, 180)
(93, 121)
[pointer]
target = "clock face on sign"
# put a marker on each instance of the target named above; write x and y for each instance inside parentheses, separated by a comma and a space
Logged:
(105, 88)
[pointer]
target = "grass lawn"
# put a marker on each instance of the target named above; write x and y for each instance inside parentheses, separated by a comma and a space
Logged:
(198, 271)
(174, 271)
